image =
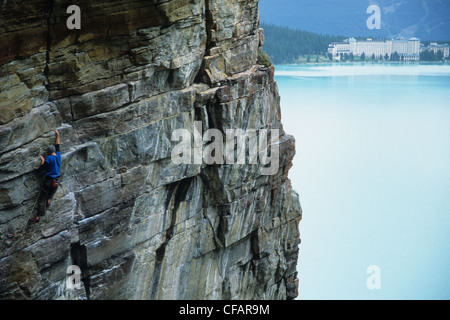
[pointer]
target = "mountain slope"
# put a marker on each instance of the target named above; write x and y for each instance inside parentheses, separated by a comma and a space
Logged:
(426, 19)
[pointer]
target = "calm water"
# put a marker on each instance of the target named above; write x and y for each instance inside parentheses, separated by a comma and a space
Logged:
(373, 172)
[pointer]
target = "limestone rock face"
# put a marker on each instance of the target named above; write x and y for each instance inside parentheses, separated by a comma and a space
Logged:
(136, 223)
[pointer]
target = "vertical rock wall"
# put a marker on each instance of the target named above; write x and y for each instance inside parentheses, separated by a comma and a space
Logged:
(138, 225)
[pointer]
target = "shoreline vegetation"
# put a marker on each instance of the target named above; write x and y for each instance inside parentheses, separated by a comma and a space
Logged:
(288, 46)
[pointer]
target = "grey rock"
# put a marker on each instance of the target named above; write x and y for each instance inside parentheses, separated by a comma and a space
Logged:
(138, 225)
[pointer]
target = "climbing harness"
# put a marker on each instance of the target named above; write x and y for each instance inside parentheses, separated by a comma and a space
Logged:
(55, 183)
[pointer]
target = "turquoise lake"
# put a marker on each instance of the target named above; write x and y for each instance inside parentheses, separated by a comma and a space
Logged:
(373, 172)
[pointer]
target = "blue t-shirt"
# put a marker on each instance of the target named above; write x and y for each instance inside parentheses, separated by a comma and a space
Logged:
(53, 165)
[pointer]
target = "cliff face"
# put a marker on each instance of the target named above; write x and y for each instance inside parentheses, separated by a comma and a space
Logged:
(138, 225)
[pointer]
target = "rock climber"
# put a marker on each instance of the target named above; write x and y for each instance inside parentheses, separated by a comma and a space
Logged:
(52, 166)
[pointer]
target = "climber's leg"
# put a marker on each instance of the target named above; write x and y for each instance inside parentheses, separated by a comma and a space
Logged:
(44, 197)
(53, 187)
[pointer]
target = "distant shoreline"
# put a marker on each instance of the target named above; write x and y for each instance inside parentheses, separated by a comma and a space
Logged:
(367, 62)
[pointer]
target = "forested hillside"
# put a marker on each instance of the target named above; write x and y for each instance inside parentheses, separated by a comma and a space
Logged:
(285, 45)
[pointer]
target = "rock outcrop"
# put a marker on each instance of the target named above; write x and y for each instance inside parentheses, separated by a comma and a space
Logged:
(138, 225)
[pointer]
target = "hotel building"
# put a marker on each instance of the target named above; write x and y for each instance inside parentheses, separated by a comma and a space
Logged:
(408, 49)
(444, 48)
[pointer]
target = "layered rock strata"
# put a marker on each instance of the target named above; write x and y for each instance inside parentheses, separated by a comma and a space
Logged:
(138, 225)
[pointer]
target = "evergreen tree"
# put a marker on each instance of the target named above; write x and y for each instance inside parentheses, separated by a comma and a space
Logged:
(428, 55)
(395, 56)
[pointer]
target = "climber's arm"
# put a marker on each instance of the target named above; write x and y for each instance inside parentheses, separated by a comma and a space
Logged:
(58, 138)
